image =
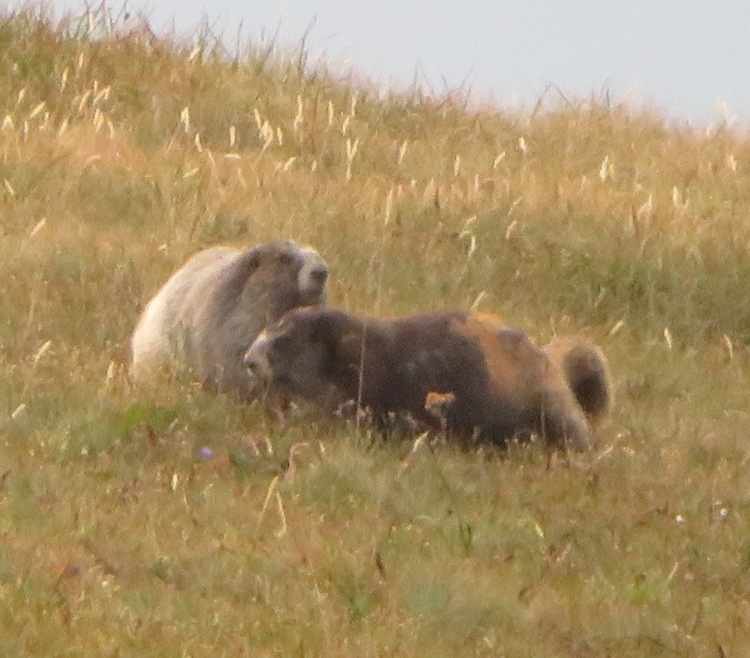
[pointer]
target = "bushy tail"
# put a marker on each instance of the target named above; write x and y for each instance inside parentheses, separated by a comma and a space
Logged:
(586, 369)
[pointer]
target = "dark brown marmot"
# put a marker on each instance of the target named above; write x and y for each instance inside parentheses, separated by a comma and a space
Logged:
(491, 381)
(212, 308)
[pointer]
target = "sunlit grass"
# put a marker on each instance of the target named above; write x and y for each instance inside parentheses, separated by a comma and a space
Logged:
(173, 522)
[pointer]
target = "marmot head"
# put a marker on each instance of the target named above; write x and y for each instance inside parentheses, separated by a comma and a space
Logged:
(275, 277)
(302, 353)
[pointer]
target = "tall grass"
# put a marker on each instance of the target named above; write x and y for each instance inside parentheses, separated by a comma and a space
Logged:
(176, 523)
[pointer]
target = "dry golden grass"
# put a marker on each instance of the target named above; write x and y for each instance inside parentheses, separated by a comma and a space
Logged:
(177, 523)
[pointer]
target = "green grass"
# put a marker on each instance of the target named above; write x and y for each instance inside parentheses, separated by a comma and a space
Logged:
(171, 522)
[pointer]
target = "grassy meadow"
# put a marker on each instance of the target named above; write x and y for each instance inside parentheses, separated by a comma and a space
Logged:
(174, 523)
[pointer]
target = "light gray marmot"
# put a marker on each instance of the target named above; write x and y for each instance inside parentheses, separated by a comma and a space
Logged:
(212, 308)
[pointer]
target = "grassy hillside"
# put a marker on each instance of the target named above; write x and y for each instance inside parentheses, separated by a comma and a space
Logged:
(122, 153)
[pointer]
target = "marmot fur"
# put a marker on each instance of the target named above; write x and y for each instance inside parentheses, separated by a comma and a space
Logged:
(587, 372)
(488, 379)
(212, 308)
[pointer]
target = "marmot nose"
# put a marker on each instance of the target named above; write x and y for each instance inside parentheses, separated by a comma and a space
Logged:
(319, 275)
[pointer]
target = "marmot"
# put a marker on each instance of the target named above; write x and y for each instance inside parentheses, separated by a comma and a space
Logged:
(212, 308)
(491, 381)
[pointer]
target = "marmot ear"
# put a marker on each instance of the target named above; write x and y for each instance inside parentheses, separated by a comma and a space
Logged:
(249, 263)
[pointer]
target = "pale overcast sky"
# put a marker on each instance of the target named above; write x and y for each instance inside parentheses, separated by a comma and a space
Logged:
(686, 57)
